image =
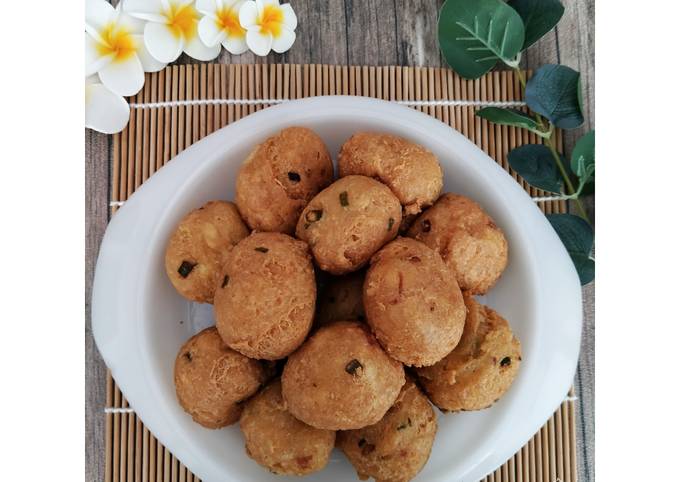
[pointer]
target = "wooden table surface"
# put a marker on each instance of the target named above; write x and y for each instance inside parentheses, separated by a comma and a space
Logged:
(358, 32)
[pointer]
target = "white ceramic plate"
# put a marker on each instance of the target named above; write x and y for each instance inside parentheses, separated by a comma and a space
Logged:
(140, 322)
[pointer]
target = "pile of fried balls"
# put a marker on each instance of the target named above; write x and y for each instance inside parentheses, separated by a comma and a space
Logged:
(395, 326)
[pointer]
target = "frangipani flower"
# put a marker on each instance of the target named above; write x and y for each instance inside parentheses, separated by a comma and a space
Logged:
(105, 111)
(221, 25)
(172, 28)
(269, 25)
(114, 47)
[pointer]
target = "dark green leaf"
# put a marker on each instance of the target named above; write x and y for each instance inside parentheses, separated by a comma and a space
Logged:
(583, 157)
(509, 117)
(539, 17)
(474, 35)
(577, 237)
(535, 164)
(553, 92)
(585, 267)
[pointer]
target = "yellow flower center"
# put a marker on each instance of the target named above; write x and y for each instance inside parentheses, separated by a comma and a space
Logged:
(182, 20)
(116, 41)
(271, 20)
(227, 19)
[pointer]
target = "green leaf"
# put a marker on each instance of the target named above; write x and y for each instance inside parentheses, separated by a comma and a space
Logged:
(511, 117)
(577, 237)
(539, 17)
(583, 157)
(535, 164)
(553, 92)
(474, 35)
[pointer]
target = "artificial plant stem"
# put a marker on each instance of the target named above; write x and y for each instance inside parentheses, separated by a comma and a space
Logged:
(553, 151)
(567, 180)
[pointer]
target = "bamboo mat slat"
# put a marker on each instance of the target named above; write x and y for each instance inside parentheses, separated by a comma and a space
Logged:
(156, 133)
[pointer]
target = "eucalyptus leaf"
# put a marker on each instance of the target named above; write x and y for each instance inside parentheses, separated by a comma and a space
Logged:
(553, 92)
(583, 157)
(511, 117)
(535, 164)
(577, 237)
(474, 35)
(539, 17)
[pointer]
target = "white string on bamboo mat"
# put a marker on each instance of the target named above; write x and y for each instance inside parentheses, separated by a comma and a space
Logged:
(410, 103)
(131, 410)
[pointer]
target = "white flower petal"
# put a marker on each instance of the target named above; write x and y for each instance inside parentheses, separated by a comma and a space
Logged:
(104, 110)
(235, 44)
(199, 51)
(130, 23)
(206, 6)
(289, 17)
(93, 60)
(123, 77)
(262, 3)
(259, 43)
(284, 41)
(151, 10)
(97, 14)
(248, 15)
(182, 3)
(92, 79)
(210, 32)
(149, 64)
(162, 43)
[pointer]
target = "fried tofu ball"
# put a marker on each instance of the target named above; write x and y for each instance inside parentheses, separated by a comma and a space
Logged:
(467, 239)
(349, 221)
(342, 299)
(280, 442)
(480, 369)
(280, 177)
(413, 303)
(397, 447)
(264, 304)
(341, 379)
(211, 380)
(198, 247)
(411, 171)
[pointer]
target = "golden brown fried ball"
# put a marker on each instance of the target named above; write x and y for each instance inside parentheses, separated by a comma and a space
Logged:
(198, 247)
(341, 379)
(467, 239)
(342, 299)
(349, 221)
(211, 380)
(480, 369)
(280, 177)
(264, 304)
(413, 303)
(411, 171)
(397, 447)
(280, 442)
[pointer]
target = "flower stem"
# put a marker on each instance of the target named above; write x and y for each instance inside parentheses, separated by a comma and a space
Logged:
(553, 150)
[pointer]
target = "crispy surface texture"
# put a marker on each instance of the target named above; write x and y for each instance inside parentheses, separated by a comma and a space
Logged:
(411, 171)
(413, 303)
(342, 299)
(280, 177)
(480, 369)
(211, 379)
(197, 249)
(397, 447)
(280, 442)
(467, 239)
(341, 379)
(264, 304)
(349, 221)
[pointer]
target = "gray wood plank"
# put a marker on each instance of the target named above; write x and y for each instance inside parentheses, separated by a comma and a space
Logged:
(97, 160)
(358, 32)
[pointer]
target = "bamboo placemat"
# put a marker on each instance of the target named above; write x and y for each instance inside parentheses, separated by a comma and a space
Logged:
(181, 104)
